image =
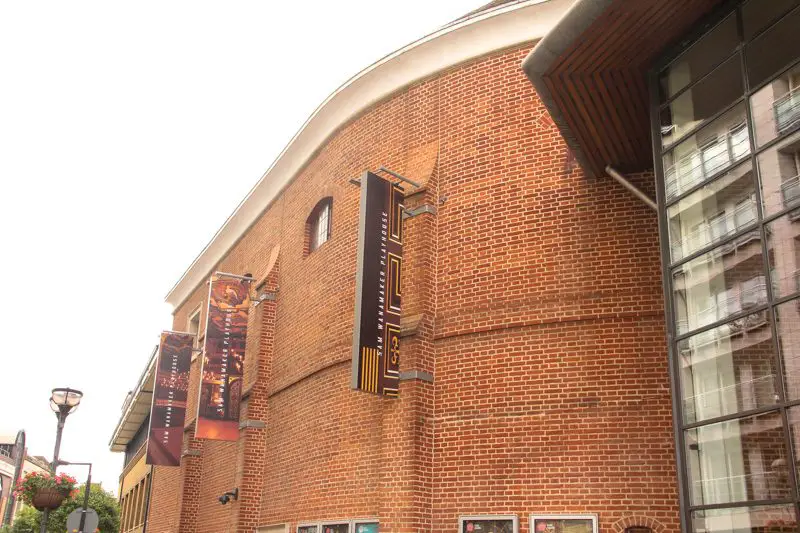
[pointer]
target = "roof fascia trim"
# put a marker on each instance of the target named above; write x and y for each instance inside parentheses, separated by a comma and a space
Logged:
(449, 46)
(547, 51)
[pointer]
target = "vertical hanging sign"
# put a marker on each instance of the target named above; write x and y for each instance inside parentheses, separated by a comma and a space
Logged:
(168, 410)
(223, 358)
(376, 333)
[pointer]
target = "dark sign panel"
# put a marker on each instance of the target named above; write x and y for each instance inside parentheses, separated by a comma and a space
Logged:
(223, 358)
(376, 334)
(168, 411)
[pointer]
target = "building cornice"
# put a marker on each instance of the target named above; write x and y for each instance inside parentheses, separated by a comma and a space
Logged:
(484, 33)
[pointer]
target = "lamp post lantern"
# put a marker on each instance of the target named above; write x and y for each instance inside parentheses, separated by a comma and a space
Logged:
(63, 402)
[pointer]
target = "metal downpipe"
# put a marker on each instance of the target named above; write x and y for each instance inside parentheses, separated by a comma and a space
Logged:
(619, 178)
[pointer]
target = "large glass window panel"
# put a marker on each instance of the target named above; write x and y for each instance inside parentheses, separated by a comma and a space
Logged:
(736, 460)
(721, 208)
(719, 283)
(707, 153)
(794, 433)
(783, 251)
(706, 53)
(728, 369)
(776, 106)
(788, 325)
(779, 170)
(702, 101)
(761, 519)
(758, 14)
(776, 48)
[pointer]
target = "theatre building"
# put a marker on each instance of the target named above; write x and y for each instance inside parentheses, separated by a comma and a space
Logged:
(600, 324)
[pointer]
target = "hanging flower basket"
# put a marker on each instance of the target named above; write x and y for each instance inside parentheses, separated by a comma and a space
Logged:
(48, 499)
(43, 490)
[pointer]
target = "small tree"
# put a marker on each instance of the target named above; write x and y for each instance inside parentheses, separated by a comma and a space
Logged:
(26, 521)
(101, 501)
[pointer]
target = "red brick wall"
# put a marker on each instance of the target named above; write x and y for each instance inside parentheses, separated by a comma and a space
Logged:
(533, 296)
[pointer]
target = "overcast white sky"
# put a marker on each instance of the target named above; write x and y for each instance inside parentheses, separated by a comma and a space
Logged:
(128, 133)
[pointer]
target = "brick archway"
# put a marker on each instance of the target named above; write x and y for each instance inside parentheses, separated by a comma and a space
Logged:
(637, 520)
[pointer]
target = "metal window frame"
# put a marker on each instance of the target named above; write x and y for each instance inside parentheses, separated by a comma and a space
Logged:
(585, 516)
(476, 517)
(669, 57)
(307, 524)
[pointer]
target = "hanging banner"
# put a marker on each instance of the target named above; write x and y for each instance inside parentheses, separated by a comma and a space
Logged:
(223, 358)
(376, 333)
(170, 392)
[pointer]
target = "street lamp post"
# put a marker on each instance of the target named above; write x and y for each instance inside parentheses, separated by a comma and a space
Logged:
(86, 489)
(63, 402)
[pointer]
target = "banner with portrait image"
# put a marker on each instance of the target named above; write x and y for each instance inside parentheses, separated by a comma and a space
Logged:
(170, 392)
(223, 358)
(376, 333)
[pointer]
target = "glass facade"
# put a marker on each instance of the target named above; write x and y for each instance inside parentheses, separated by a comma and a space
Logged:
(726, 116)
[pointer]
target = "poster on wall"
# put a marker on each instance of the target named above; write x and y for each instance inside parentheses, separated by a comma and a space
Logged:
(170, 392)
(376, 333)
(366, 527)
(336, 528)
(564, 524)
(495, 524)
(223, 358)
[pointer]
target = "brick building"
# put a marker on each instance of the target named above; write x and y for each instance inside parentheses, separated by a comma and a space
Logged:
(8, 461)
(567, 346)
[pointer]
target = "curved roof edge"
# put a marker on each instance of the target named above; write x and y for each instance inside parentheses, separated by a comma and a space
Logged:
(477, 36)
(547, 51)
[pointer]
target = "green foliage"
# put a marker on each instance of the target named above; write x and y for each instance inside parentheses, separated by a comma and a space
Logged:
(101, 501)
(26, 521)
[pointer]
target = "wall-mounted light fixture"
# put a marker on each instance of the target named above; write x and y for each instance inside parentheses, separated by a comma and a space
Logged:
(228, 496)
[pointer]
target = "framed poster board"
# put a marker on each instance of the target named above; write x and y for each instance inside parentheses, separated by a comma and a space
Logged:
(579, 523)
(489, 524)
(336, 527)
(365, 526)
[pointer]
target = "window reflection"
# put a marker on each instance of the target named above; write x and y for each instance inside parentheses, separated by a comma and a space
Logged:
(702, 101)
(776, 106)
(783, 251)
(757, 14)
(720, 283)
(699, 59)
(721, 208)
(779, 169)
(775, 49)
(788, 322)
(728, 369)
(772, 518)
(738, 460)
(707, 153)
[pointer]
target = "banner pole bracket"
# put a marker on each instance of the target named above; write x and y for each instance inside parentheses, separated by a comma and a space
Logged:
(399, 176)
(421, 210)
